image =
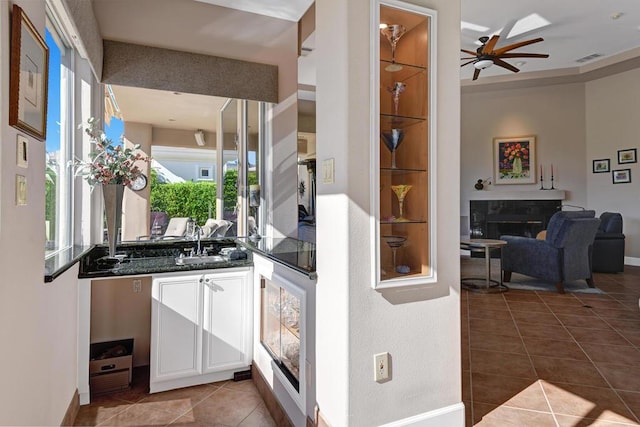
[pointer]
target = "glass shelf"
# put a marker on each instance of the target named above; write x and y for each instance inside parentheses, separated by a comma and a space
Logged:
(401, 171)
(409, 221)
(390, 121)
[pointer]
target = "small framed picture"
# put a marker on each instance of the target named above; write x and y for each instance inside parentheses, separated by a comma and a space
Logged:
(601, 166)
(22, 155)
(21, 190)
(627, 156)
(621, 176)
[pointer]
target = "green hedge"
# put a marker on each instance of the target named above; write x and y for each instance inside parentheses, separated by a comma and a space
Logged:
(194, 199)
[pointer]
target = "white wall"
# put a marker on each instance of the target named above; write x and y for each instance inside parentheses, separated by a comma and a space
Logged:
(554, 114)
(613, 123)
(38, 321)
(420, 328)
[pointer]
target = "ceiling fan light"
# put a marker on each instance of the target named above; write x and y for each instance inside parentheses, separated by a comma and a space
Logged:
(483, 63)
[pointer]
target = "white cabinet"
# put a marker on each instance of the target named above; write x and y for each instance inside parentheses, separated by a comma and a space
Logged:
(200, 327)
(226, 320)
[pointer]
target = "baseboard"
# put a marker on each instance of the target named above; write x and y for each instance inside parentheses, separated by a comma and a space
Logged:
(72, 411)
(450, 416)
(632, 261)
(273, 406)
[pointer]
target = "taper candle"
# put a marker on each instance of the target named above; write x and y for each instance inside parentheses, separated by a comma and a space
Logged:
(540, 171)
(551, 169)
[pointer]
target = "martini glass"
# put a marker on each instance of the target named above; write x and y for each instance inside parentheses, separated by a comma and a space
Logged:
(394, 242)
(396, 90)
(392, 140)
(393, 33)
(401, 192)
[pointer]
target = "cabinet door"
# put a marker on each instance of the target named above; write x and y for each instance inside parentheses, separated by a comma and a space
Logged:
(227, 321)
(176, 344)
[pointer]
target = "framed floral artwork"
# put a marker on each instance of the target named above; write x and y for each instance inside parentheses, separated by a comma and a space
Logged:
(627, 156)
(601, 166)
(514, 160)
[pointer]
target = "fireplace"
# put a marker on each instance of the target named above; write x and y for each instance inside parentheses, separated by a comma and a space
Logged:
(490, 219)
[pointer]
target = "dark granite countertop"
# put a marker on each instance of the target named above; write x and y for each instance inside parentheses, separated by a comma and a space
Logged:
(154, 257)
(293, 253)
(60, 262)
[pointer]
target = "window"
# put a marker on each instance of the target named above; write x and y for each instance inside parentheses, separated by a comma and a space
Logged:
(204, 172)
(58, 183)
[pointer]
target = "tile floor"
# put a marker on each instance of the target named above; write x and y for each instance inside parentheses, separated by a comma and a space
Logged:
(533, 358)
(222, 404)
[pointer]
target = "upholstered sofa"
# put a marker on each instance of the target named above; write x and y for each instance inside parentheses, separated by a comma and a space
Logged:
(608, 246)
(563, 256)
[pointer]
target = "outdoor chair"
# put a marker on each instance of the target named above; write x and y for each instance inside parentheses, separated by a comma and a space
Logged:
(563, 256)
(176, 228)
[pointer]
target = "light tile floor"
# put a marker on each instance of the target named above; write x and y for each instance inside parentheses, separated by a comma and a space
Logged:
(223, 404)
(533, 358)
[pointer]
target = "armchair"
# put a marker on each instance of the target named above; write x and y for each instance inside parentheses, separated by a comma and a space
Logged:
(608, 247)
(564, 255)
(176, 228)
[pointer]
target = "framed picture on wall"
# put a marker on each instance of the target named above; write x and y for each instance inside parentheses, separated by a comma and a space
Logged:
(514, 160)
(621, 176)
(627, 156)
(28, 77)
(601, 166)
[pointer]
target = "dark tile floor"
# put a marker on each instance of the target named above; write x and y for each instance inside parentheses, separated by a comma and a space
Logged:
(225, 403)
(534, 358)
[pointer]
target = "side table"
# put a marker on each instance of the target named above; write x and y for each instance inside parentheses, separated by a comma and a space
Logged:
(487, 284)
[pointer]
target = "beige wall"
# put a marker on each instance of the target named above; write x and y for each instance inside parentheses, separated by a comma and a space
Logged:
(38, 321)
(418, 327)
(613, 123)
(554, 114)
(135, 206)
(119, 313)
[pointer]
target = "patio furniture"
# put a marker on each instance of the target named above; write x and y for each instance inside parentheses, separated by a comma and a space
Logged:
(176, 228)
(564, 255)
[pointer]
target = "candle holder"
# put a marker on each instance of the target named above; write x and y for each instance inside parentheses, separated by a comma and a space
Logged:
(541, 183)
(552, 187)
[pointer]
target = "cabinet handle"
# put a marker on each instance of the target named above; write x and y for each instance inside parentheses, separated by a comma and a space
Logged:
(107, 367)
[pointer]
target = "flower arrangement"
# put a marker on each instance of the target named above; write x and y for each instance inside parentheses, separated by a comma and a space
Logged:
(110, 163)
(515, 150)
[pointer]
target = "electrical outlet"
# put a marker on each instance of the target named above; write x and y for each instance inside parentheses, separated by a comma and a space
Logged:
(137, 286)
(381, 366)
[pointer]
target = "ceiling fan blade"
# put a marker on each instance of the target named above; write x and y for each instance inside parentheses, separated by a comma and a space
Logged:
(469, 52)
(467, 63)
(488, 48)
(506, 65)
(523, 55)
(476, 73)
(517, 45)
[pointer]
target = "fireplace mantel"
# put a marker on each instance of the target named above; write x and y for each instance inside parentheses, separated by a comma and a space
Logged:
(518, 195)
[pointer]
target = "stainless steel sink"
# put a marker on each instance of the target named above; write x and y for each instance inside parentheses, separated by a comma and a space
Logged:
(199, 259)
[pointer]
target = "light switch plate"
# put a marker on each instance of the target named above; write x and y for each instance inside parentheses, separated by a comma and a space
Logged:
(21, 190)
(328, 171)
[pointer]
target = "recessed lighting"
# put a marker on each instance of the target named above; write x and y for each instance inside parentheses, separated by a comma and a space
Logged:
(177, 93)
(616, 15)
(172, 120)
(383, 26)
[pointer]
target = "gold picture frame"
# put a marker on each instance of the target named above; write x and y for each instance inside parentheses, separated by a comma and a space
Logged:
(28, 77)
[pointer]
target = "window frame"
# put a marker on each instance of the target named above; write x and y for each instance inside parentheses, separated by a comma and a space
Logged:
(65, 189)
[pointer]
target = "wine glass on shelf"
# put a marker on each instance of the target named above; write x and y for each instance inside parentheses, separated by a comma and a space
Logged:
(393, 33)
(392, 140)
(396, 90)
(401, 192)
(394, 242)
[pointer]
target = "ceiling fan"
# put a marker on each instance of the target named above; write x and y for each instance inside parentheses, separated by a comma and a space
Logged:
(486, 55)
